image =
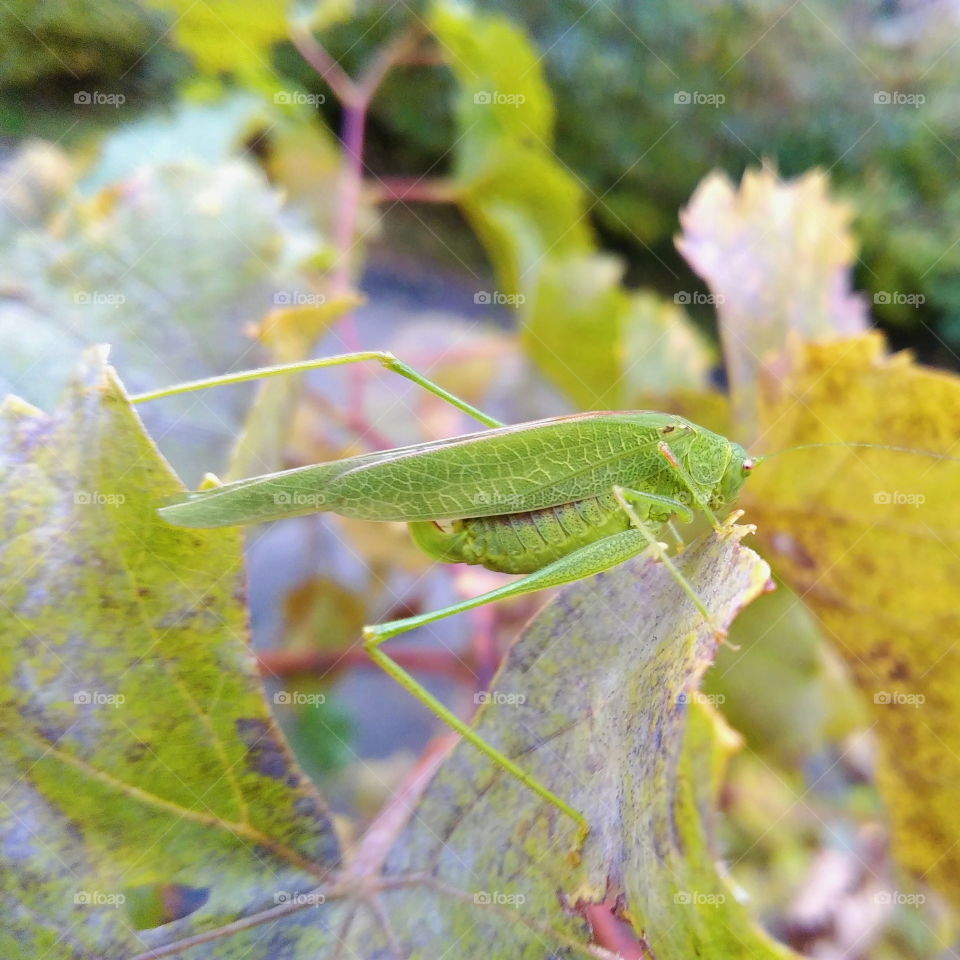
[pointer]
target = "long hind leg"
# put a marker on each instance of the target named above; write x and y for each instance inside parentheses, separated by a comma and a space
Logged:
(584, 562)
(386, 360)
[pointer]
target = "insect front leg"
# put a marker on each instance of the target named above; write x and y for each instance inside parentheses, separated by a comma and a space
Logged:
(624, 495)
(688, 482)
(583, 562)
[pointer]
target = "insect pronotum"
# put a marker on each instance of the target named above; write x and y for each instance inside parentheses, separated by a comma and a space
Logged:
(554, 500)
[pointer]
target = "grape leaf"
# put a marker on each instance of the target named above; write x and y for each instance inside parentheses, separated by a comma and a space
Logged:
(869, 539)
(137, 747)
(598, 700)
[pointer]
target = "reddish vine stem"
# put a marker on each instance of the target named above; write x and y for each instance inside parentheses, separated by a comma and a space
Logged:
(355, 98)
(281, 663)
(412, 189)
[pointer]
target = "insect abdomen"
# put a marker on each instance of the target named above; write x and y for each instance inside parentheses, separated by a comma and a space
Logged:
(522, 542)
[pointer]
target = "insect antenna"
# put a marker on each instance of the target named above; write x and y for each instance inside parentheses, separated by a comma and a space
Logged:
(870, 446)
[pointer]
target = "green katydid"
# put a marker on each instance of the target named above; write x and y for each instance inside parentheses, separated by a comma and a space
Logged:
(555, 500)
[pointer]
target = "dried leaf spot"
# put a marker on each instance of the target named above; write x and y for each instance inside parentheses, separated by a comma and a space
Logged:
(263, 752)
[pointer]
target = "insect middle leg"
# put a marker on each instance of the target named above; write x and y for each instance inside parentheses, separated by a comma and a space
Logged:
(583, 562)
(624, 495)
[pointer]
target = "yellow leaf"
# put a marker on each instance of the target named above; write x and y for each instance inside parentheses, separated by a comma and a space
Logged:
(871, 540)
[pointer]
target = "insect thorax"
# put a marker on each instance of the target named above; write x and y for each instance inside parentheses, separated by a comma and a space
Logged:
(524, 542)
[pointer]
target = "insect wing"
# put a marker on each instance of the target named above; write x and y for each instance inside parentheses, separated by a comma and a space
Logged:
(507, 470)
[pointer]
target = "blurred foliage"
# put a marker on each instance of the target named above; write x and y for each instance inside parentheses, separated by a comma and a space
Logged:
(800, 85)
(80, 38)
(530, 212)
(169, 252)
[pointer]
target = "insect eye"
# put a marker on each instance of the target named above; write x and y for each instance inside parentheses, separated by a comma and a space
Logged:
(748, 465)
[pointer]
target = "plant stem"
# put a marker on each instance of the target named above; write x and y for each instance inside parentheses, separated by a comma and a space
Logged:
(278, 663)
(412, 189)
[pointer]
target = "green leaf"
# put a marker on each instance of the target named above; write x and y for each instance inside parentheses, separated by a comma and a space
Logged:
(229, 36)
(594, 339)
(137, 748)
(597, 699)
